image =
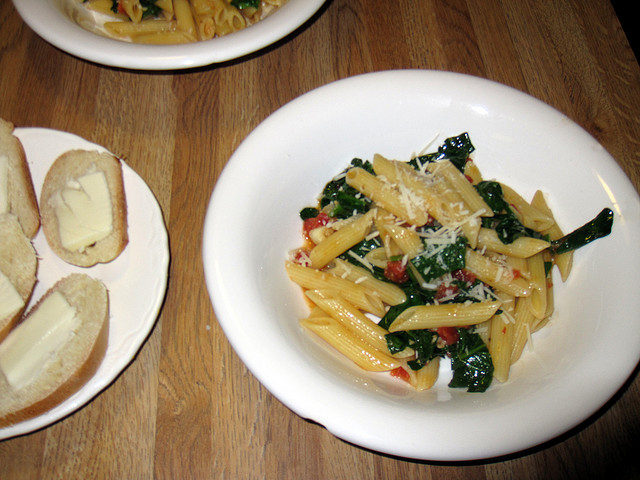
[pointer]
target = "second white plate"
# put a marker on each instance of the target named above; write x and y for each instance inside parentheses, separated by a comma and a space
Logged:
(136, 280)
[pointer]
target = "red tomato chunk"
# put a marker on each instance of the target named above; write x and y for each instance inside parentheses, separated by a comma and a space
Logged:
(311, 223)
(396, 271)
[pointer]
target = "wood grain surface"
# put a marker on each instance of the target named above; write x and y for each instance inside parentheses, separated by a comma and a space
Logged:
(186, 407)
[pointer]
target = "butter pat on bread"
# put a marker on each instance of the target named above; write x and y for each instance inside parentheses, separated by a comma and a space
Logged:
(55, 349)
(83, 208)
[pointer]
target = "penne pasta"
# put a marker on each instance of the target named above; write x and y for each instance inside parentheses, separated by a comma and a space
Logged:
(193, 20)
(406, 264)
(424, 378)
(312, 279)
(352, 319)
(402, 203)
(388, 292)
(343, 239)
(538, 298)
(470, 196)
(563, 261)
(522, 247)
(444, 315)
(497, 275)
(352, 347)
(529, 216)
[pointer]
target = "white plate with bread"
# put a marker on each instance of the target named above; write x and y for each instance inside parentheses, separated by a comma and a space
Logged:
(125, 271)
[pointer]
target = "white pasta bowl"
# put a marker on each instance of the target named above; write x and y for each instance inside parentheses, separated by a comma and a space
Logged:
(58, 22)
(252, 222)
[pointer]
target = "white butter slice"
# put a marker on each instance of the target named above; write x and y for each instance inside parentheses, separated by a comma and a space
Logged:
(10, 299)
(4, 184)
(28, 348)
(84, 212)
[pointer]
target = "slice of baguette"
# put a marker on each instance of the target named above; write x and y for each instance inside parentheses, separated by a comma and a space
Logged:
(21, 195)
(69, 366)
(66, 170)
(18, 264)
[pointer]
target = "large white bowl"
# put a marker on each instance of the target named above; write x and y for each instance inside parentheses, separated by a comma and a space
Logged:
(54, 21)
(580, 360)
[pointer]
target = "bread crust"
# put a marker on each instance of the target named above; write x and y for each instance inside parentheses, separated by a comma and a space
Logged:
(68, 167)
(75, 364)
(19, 263)
(22, 198)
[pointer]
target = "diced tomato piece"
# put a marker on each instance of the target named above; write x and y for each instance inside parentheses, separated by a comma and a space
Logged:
(449, 335)
(445, 291)
(468, 177)
(311, 223)
(396, 271)
(400, 373)
(121, 8)
(516, 273)
(430, 221)
(464, 275)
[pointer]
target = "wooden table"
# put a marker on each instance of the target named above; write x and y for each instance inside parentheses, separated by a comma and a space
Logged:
(187, 407)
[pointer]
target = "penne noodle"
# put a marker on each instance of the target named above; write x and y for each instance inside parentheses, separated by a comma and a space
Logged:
(538, 297)
(523, 328)
(472, 172)
(501, 346)
(496, 275)
(444, 315)
(341, 241)
(132, 8)
(352, 319)
(312, 279)
(460, 183)
(389, 293)
(361, 353)
(530, 216)
(184, 18)
(402, 203)
(406, 239)
(441, 201)
(128, 29)
(563, 261)
(425, 378)
(163, 38)
(522, 247)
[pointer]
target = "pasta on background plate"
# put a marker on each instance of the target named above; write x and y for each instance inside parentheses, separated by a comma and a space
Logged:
(179, 21)
(408, 263)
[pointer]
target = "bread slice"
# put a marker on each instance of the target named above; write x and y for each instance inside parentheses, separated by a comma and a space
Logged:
(17, 188)
(70, 361)
(18, 266)
(65, 173)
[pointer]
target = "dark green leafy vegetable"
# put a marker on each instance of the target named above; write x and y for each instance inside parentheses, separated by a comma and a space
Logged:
(309, 212)
(599, 227)
(456, 149)
(242, 4)
(344, 199)
(450, 258)
(504, 220)
(471, 363)
(491, 192)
